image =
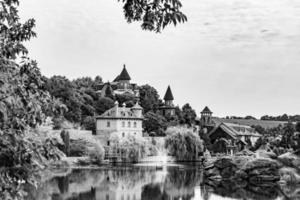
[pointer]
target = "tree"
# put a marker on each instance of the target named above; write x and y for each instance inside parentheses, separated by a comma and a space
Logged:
(188, 114)
(128, 99)
(149, 98)
(183, 144)
(155, 15)
(103, 104)
(23, 102)
(154, 124)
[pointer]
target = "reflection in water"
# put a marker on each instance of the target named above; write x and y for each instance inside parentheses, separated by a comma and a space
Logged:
(148, 183)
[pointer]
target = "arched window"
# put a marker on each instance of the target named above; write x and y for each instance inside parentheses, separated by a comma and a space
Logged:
(108, 124)
(123, 124)
(129, 124)
(134, 124)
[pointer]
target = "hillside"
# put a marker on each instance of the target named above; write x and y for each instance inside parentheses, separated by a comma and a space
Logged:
(251, 122)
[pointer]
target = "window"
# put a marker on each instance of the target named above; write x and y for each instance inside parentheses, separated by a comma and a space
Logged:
(123, 124)
(134, 124)
(123, 134)
(108, 143)
(129, 124)
(108, 124)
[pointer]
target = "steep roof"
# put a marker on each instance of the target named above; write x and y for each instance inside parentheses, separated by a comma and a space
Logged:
(119, 113)
(168, 95)
(206, 110)
(124, 76)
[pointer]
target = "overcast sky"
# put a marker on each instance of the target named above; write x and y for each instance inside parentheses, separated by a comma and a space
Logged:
(238, 57)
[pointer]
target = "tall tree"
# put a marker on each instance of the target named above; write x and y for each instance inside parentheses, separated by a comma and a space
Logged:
(188, 114)
(23, 100)
(149, 98)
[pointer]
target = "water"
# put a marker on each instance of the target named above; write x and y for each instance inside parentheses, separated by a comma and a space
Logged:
(176, 182)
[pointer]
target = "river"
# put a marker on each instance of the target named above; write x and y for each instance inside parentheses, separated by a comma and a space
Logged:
(142, 182)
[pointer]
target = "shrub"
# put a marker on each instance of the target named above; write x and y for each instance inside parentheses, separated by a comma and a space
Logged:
(97, 154)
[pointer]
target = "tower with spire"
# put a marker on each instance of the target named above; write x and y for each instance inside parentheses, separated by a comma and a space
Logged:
(120, 85)
(168, 108)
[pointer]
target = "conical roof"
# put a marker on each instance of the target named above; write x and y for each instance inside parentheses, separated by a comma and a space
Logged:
(168, 95)
(137, 106)
(124, 76)
(206, 110)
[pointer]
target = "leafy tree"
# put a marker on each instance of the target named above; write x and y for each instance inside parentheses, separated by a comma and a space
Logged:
(154, 124)
(188, 114)
(183, 143)
(149, 98)
(128, 99)
(23, 102)
(155, 15)
(103, 104)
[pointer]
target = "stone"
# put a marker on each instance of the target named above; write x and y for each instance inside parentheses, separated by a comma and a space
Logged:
(222, 163)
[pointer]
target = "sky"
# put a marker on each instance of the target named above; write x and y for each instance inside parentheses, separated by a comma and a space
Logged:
(239, 57)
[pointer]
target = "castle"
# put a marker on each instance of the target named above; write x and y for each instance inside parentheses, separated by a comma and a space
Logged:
(120, 86)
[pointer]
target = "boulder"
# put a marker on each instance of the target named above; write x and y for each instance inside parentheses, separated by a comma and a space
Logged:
(224, 162)
(290, 159)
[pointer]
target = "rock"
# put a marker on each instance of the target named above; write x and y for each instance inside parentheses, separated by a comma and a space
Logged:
(289, 175)
(225, 162)
(260, 163)
(261, 153)
(290, 159)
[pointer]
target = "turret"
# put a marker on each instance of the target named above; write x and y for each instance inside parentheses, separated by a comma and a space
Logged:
(137, 110)
(206, 116)
(169, 97)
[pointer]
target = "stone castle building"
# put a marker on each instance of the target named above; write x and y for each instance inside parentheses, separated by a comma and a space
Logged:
(121, 85)
(121, 121)
(168, 108)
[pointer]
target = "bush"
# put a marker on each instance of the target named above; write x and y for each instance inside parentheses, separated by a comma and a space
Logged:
(96, 155)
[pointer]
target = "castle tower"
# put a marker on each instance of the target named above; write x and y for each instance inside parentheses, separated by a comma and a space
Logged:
(124, 78)
(168, 108)
(169, 97)
(206, 119)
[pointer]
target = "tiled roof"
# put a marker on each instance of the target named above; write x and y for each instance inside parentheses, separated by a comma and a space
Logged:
(206, 110)
(119, 112)
(168, 95)
(124, 76)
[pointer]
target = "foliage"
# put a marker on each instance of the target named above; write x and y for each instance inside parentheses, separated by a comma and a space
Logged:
(103, 104)
(154, 124)
(89, 123)
(134, 148)
(96, 155)
(188, 115)
(23, 102)
(128, 99)
(149, 98)
(154, 14)
(183, 144)
(284, 117)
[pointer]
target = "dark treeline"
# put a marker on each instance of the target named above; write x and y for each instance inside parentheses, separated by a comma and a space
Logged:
(284, 117)
(82, 101)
